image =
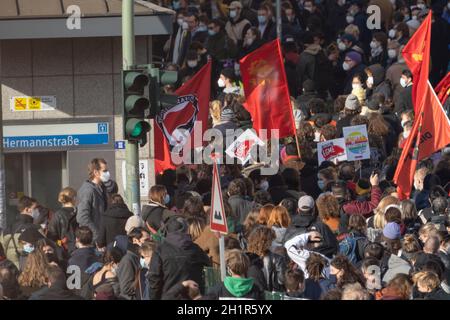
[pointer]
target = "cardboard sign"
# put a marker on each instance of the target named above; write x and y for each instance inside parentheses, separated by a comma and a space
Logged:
(357, 142)
(332, 150)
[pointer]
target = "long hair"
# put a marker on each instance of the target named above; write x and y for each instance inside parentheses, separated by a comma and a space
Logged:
(279, 217)
(350, 273)
(264, 213)
(315, 265)
(260, 240)
(34, 273)
(379, 218)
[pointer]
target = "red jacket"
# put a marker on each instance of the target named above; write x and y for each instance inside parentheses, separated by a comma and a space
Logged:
(364, 208)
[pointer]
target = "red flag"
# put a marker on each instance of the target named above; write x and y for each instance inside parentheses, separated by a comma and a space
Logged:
(176, 124)
(430, 133)
(266, 90)
(417, 56)
(443, 89)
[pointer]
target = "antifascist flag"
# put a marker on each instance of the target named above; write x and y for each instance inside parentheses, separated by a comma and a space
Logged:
(443, 89)
(175, 125)
(266, 90)
(430, 133)
(417, 56)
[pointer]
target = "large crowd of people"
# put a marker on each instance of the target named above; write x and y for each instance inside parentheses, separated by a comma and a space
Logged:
(334, 231)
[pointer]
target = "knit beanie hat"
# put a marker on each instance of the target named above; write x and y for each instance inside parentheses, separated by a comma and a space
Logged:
(354, 56)
(352, 102)
(392, 231)
(362, 187)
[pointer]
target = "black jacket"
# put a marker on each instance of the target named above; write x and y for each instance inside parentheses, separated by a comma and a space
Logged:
(57, 291)
(349, 78)
(279, 193)
(404, 101)
(176, 259)
(113, 223)
(275, 267)
(306, 223)
(84, 258)
(63, 225)
(127, 271)
(220, 291)
(152, 215)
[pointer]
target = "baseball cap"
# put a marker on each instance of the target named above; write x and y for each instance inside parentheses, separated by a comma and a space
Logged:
(306, 203)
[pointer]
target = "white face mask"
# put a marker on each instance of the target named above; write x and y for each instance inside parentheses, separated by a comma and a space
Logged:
(221, 83)
(342, 46)
(374, 44)
(356, 86)
(233, 14)
(35, 213)
(105, 176)
(180, 21)
(405, 134)
(345, 66)
(185, 26)
(392, 53)
(370, 82)
(421, 6)
(249, 41)
(192, 63)
(350, 19)
(391, 33)
(403, 82)
(264, 185)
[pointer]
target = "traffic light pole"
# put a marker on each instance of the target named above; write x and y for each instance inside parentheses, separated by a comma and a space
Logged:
(132, 149)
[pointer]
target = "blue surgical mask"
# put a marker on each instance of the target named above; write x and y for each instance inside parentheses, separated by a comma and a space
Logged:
(321, 184)
(211, 32)
(262, 19)
(28, 248)
(143, 264)
(202, 28)
(176, 5)
(166, 198)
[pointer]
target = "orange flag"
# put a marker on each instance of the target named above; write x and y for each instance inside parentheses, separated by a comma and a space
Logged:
(266, 90)
(417, 56)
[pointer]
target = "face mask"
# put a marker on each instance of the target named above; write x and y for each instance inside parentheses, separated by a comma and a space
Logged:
(211, 32)
(105, 176)
(350, 19)
(370, 81)
(317, 136)
(345, 66)
(392, 53)
(233, 14)
(221, 83)
(406, 17)
(448, 7)
(180, 21)
(28, 248)
(262, 19)
(414, 18)
(249, 41)
(374, 44)
(321, 184)
(421, 6)
(35, 213)
(192, 63)
(391, 33)
(185, 25)
(342, 46)
(405, 134)
(176, 5)
(202, 28)
(143, 264)
(356, 86)
(166, 198)
(310, 9)
(403, 123)
(264, 185)
(403, 82)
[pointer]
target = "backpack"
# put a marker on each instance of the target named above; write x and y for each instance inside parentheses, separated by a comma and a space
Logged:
(348, 247)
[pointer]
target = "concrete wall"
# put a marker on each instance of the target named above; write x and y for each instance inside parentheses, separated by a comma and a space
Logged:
(83, 74)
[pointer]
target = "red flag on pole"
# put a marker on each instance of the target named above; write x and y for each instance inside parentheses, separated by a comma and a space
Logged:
(430, 133)
(417, 56)
(175, 125)
(266, 90)
(443, 89)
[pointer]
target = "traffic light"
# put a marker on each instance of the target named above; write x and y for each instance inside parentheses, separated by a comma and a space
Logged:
(135, 105)
(158, 99)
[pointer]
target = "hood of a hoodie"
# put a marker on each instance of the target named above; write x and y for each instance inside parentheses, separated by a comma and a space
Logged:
(118, 211)
(313, 49)
(179, 239)
(238, 287)
(378, 73)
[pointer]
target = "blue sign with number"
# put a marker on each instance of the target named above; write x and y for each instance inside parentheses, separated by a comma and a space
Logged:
(119, 145)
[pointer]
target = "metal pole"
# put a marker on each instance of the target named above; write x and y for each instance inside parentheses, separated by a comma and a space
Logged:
(278, 4)
(223, 270)
(131, 149)
(3, 213)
